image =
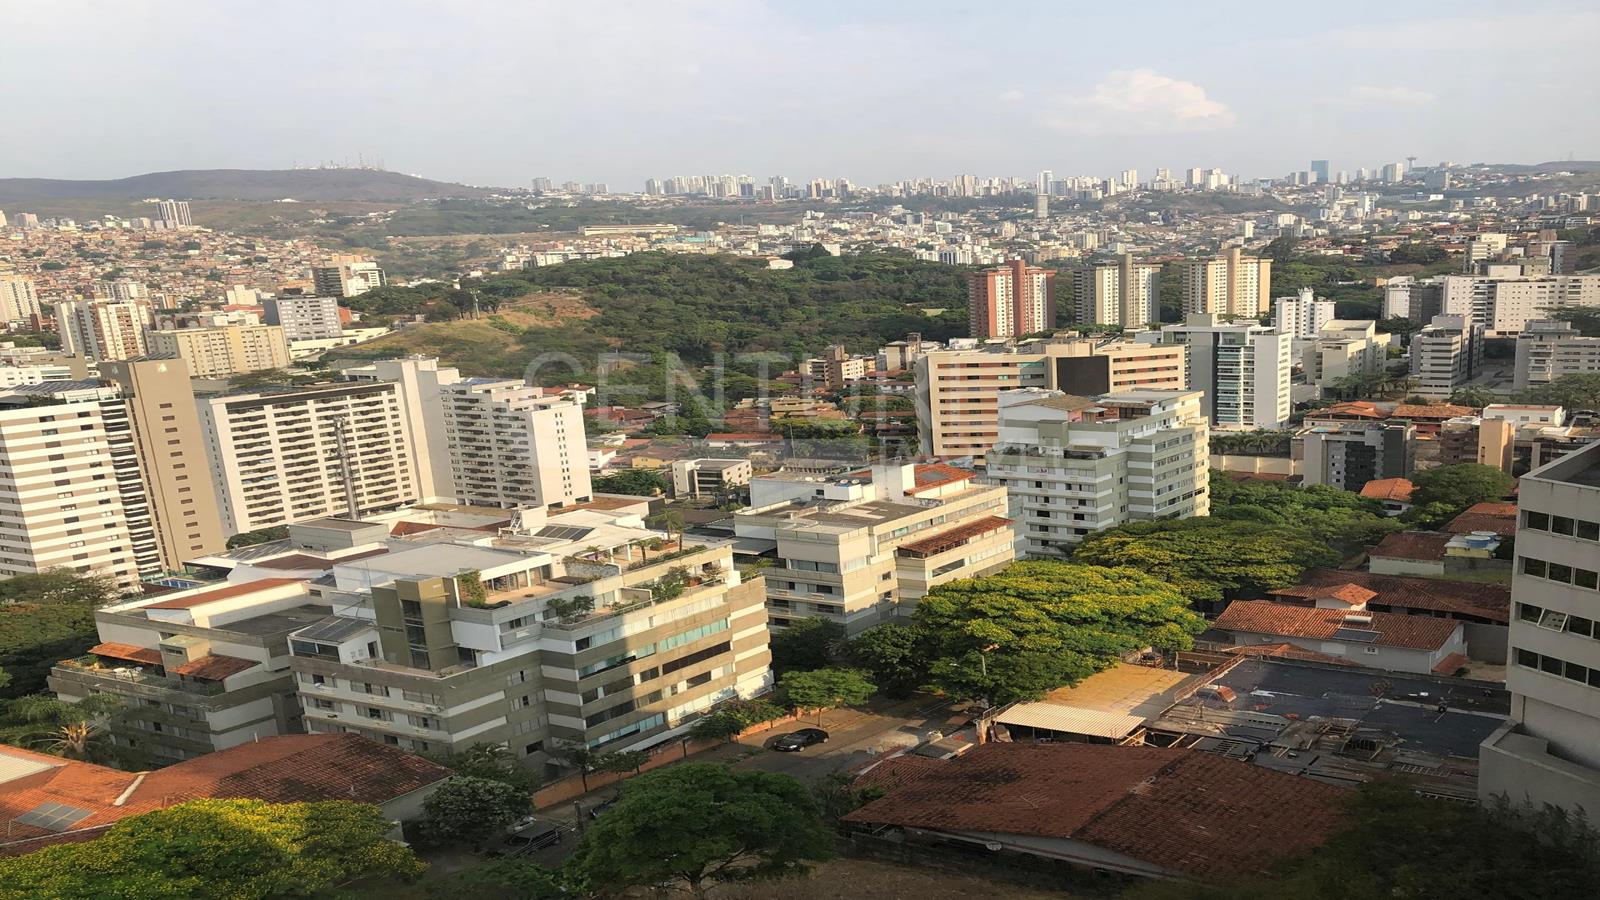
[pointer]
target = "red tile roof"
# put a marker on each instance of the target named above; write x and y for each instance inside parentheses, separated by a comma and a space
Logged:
(406, 529)
(1183, 811)
(145, 656)
(1403, 592)
(1281, 619)
(1353, 594)
(946, 540)
(1450, 664)
(1424, 546)
(937, 475)
(1500, 518)
(284, 769)
(214, 667)
(189, 601)
(1439, 411)
(1395, 489)
(1358, 409)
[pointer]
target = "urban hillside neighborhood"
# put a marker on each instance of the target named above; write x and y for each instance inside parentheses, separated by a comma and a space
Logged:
(1172, 534)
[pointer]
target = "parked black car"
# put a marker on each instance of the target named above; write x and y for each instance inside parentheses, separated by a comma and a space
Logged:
(527, 836)
(799, 740)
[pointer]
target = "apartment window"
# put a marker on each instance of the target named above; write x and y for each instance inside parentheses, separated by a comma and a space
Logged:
(1561, 525)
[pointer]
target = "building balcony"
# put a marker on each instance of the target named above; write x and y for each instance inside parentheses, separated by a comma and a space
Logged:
(132, 680)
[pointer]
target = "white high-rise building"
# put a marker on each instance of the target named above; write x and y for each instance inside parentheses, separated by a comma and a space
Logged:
(304, 318)
(327, 450)
(347, 276)
(64, 484)
(1503, 300)
(104, 329)
(1073, 465)
(175, 214)
(121, 289)
(1549, 753)
(514, 445)
(1243, 369)
(19, 299)
(1445, 355)
(1549, 349)
(1302, 316)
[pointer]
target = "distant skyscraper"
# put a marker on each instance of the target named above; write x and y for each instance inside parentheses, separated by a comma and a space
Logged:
(543, 184)
(18, 299)
(1011, 300)
(1045, 182)
(1319, 168)
(1228, 285)
(1041, 206)
(346, 276)
(175, 214)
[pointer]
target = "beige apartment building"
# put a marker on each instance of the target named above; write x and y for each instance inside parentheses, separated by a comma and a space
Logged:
(1231, 284)
(19, 299)
(1011, 300)
(223, 351)
(957, 391)
(331, 449)
(862, 550)
(104, 329)
(517, 641)
(1071, 466)
(198, 670)
(1548, 349)
(171, 451)
(346, 276)
(62, 484)
(1124, 292)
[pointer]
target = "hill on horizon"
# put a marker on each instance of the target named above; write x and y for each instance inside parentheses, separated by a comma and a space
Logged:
(305, 185)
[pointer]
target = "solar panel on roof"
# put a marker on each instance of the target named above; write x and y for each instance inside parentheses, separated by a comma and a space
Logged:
(1355, 634)
(53, 816)
(564, 532)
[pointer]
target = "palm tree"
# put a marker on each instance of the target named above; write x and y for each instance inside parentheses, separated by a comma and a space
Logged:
(71, 730)
(672, 522)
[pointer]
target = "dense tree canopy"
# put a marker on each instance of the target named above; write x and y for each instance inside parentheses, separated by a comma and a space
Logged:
(693, 823)
(1460, 486)
(35, 636)
(1397, 844)
(820, 689)
(1574, 392)
(1041, 624)
(1343, 519)
(58, 586)
(1209, 559)
(638, 482)
(234, 849)
(894, 655)
(810, 643)
(473, 810)
(494, 762)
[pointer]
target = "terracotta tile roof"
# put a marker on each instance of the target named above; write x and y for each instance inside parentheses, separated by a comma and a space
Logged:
(1402, 592)
(1353, 594)
(1286, 651)
(1500, 518)
(1426, 546)
(1184, 811)
(1450, 664)
(1359, 409)
(898, 771)
(214, 667)
(936, 475)
(284, 769)
(1281, 619)
(1431, 411)
(946, 540)
(145, 656)
(200, 598)
(1396, 489)
(405, 529)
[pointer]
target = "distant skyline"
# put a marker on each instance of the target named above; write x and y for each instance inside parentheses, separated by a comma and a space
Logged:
(498, 93)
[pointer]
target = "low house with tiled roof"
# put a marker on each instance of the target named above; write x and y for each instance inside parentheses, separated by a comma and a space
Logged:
(1409, 553)
(1429, 417)
(1396, 643)
(1484, 610)
(1140, 811)
(1496, 517)
(48, 800)
(1393, 493)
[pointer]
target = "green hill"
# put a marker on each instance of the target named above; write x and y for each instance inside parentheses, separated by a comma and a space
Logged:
(305, 185)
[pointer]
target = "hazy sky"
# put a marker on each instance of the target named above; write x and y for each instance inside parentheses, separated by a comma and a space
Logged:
(616, 91)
